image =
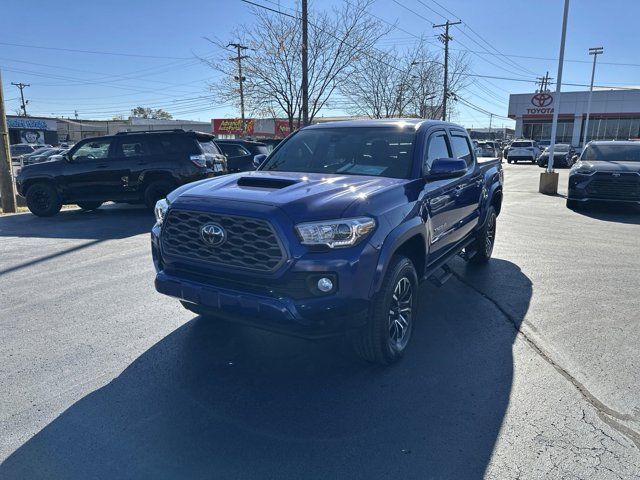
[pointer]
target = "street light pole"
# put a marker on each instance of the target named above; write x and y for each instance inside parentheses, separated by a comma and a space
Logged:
(556, 108)
(595, 51)
(549, 179)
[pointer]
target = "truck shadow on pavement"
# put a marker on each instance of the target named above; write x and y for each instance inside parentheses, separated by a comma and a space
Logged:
(611, 213)
(106, 223)
(214, 400)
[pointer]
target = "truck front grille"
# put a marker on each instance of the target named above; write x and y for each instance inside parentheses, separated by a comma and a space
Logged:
(625, 186)
(251, 243)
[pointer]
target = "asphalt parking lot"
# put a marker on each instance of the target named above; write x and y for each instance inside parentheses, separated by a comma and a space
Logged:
(525, 368)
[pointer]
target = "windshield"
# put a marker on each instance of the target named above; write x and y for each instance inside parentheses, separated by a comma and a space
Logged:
(612, 153)
(377, 151)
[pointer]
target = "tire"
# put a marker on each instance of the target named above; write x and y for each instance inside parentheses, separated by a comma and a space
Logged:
(515, 161)
(572, 204)
(390, 324)
(508, 161)
(88, 206)
(155, 191)
(485, 240)
(43, 200)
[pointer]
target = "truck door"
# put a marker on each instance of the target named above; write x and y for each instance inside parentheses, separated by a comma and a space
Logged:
(87, 174)
(468, 188)
(439, 196)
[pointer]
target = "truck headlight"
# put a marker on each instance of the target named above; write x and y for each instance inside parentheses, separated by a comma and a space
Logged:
(343, 232)
(582, 169)
(160, 210)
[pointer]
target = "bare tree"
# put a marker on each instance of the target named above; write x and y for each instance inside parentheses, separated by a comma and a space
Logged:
(337, 40)
(409, 84)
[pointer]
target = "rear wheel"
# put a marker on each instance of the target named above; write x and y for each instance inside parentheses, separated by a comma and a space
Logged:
(388, 331)
(88, 206)
(486, 238)
(156, 190)
(43, 200)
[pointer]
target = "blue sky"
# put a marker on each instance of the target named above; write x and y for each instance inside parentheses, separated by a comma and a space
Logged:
(146, 50)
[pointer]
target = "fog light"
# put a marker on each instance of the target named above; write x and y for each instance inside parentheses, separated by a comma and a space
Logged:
(325, 285)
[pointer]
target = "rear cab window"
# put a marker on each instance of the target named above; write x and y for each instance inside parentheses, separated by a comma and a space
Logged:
(522, 144)
(461, 147)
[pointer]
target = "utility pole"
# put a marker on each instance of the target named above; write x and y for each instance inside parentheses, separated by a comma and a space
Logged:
(490, 119)
(595, 51)
(240, 78)
(7, 190)
(444, 38)
(24, 104)
(549, 179)
(544, 83)
(75, 112)
(305, 65)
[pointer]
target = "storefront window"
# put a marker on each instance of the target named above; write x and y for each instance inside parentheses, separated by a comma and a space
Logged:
(541, 131)
(613, 128)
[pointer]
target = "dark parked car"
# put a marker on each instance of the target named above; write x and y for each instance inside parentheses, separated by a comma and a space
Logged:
(240, 153)
(40, 155)
(563, 156)
(139, 167)
(606, 172)
(333, 232)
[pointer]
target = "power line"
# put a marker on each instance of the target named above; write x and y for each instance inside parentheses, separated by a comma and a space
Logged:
(95, 52)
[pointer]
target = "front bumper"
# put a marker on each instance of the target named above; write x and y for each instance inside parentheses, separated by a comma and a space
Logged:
(263, 302)
(604, 187)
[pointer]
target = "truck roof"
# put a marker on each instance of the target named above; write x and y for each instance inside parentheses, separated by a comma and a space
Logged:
(383, 122)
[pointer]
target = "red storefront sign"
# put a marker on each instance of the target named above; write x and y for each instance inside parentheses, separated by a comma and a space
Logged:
(232, 126)
(259, 128)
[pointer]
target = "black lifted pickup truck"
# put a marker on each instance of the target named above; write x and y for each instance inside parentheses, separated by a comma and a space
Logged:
(333, 232)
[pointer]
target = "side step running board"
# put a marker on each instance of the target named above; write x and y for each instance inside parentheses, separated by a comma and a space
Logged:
(439, 278)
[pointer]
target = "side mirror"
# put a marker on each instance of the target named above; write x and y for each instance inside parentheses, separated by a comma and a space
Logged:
(447, 168)
(66, 157)
(575, 158)
(258, 160)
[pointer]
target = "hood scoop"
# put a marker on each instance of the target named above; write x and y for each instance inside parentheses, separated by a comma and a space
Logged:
(266, 182)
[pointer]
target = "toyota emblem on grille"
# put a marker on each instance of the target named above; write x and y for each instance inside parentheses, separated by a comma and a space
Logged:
(213, 234)
(615, 174)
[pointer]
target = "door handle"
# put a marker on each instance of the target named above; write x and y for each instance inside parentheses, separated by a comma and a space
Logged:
(103, 165)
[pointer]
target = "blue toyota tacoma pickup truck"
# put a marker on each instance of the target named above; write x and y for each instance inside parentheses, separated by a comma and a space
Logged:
(333, 232)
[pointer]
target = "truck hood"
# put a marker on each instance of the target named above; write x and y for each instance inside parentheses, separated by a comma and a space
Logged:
(305, 196)
(49, 168)
(622, 167)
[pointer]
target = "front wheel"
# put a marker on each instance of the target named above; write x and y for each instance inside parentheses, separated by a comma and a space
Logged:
(43, 200)
(485, 239)
(388, 331)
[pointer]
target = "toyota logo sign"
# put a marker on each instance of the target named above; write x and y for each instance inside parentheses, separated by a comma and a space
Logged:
(541, 100)
(213, 234)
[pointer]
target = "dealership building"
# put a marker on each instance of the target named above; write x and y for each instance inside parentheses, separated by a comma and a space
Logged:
(615, 115)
